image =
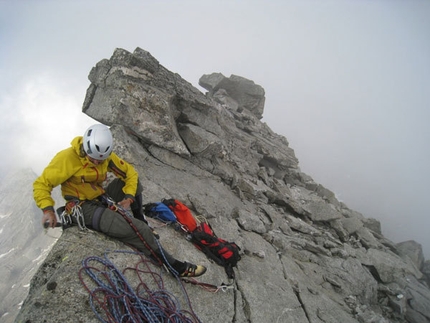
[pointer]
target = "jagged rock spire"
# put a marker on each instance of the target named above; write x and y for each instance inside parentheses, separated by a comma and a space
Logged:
(307, 257)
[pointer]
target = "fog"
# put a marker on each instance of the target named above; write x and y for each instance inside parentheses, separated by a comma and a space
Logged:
(347, 83)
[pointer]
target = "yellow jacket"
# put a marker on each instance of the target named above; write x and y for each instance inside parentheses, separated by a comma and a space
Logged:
(80, 178)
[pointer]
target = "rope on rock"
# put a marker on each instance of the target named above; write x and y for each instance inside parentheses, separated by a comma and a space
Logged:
(113, 299)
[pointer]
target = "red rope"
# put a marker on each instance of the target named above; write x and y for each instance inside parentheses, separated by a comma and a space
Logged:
(136, 230)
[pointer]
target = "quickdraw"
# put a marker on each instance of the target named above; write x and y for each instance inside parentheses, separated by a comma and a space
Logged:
(72, 209)
(209, 287)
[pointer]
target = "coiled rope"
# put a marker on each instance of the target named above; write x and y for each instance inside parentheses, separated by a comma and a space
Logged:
(114, 300)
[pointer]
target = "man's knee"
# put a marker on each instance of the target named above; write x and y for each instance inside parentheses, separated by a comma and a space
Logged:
(113, 224)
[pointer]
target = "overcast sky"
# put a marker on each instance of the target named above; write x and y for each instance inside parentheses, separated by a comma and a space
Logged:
(347, 83)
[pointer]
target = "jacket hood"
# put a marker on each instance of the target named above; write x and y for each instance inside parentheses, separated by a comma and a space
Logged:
(77, 144)
(78, 149)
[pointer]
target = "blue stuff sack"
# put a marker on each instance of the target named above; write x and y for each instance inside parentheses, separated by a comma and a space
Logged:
(159, 211)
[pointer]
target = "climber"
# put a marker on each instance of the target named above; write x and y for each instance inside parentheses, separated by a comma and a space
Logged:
(81, 170)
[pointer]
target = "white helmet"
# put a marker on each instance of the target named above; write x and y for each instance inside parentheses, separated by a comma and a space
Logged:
(98, 143)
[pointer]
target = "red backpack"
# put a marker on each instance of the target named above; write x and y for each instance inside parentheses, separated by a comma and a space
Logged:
(224, 253)
(183, 214)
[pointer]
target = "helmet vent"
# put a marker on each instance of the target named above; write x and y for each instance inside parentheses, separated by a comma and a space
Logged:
(99, 150)
(89, 151)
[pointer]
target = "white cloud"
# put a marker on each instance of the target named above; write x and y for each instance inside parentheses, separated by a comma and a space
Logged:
(347, 82)
(43, 116)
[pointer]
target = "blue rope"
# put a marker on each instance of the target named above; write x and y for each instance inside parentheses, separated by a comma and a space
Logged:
(174, 273)
(113, 300)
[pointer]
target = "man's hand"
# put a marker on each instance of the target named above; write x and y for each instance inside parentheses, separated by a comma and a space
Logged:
(125, 203)
(49, 220)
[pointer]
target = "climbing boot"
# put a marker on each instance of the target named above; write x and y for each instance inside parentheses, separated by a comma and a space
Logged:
(192, 270)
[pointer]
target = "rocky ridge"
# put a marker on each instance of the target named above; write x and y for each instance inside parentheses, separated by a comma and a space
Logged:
(22, 247)
(306, 257)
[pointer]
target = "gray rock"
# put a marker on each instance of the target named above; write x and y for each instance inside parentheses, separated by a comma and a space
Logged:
(418, 296)
(388, 267)
(413, 250)
(367, 239)
(351, 225)
(373, 225)
(250, 222)
(426, 271)
(246, 93)
(306, 257)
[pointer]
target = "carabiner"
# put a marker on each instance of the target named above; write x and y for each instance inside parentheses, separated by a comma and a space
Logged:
(224, 287)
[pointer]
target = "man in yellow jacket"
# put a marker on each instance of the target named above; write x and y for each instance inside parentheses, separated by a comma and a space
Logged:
(81, 170)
